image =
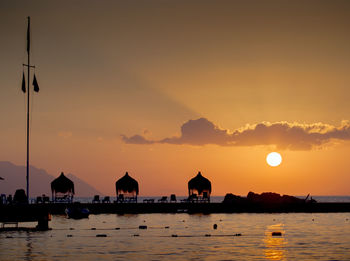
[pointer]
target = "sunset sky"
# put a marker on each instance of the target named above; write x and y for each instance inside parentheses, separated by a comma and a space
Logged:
(164, 89)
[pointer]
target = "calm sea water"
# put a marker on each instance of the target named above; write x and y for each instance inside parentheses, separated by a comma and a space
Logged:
(304, 237)
(218, 199)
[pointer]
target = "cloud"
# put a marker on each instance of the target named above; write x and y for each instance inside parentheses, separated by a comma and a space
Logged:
(293, 136)
(283, 135)
(136, 139)
(199, 132)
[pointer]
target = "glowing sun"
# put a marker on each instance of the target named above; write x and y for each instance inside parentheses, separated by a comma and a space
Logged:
(274, 159)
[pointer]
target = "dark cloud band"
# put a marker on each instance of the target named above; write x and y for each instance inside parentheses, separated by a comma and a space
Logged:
(284, 135)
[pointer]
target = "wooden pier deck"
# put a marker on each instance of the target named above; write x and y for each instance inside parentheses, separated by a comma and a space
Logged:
(41, 213)
(208, 208)
(14, 214)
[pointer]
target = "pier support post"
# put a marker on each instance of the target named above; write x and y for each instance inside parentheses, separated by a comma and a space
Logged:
(43, 222)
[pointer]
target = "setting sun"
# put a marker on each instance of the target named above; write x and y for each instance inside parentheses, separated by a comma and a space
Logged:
(274, 159)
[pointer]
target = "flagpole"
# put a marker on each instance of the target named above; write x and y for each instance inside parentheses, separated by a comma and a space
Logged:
(28, 92)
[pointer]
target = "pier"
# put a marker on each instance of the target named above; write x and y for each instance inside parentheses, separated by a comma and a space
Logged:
(14, 214)
(207, 208)
(40, 212)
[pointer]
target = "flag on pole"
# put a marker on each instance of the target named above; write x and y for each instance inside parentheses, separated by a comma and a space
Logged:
(23, 84)
(35, 84)
(28, 35)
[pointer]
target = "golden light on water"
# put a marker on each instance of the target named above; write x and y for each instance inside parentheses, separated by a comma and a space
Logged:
(275, 245)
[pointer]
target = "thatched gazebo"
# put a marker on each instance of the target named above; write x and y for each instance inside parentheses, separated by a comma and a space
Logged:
(62, 189)
(127, 189)
(200, 187)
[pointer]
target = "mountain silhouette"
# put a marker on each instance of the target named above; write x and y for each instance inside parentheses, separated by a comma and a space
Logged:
(15, 178)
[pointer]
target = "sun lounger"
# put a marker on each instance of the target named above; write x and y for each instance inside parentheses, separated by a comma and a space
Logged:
(163, 200)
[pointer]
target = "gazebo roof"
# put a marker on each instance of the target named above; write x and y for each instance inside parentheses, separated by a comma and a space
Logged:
(199, 183)
(62, 184)
(127, 184)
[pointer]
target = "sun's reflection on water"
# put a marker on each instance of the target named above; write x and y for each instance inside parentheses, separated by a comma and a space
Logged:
(275, 246)
(29, 247)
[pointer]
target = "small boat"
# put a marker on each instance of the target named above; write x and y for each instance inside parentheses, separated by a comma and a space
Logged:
(75, 211)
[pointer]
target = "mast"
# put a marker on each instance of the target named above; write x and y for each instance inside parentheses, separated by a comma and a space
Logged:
(28, 92)
(36, 89)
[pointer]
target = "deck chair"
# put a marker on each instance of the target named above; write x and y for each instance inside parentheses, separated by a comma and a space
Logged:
(106, 199)
(120, 198)
(39, 200)
(163, 199)
(46, 199)
(193, 198)
(96, 199)
(3, 199)
(206, 197)
(173, 198)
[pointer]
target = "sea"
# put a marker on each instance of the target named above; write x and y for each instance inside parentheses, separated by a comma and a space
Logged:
(287, 236)
(218, 199)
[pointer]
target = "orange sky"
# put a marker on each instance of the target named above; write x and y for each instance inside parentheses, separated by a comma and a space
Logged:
(109, 68)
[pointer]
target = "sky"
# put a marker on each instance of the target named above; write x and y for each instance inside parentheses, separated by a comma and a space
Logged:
(164, 89)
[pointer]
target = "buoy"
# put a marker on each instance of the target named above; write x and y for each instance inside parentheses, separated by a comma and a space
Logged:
(142, 227)
(276, 234)
(215, 226)
(101, 235)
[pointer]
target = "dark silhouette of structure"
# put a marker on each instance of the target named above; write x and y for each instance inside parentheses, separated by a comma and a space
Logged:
(199, 188)
(127, 189)
(62, 189)
(20, 197)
